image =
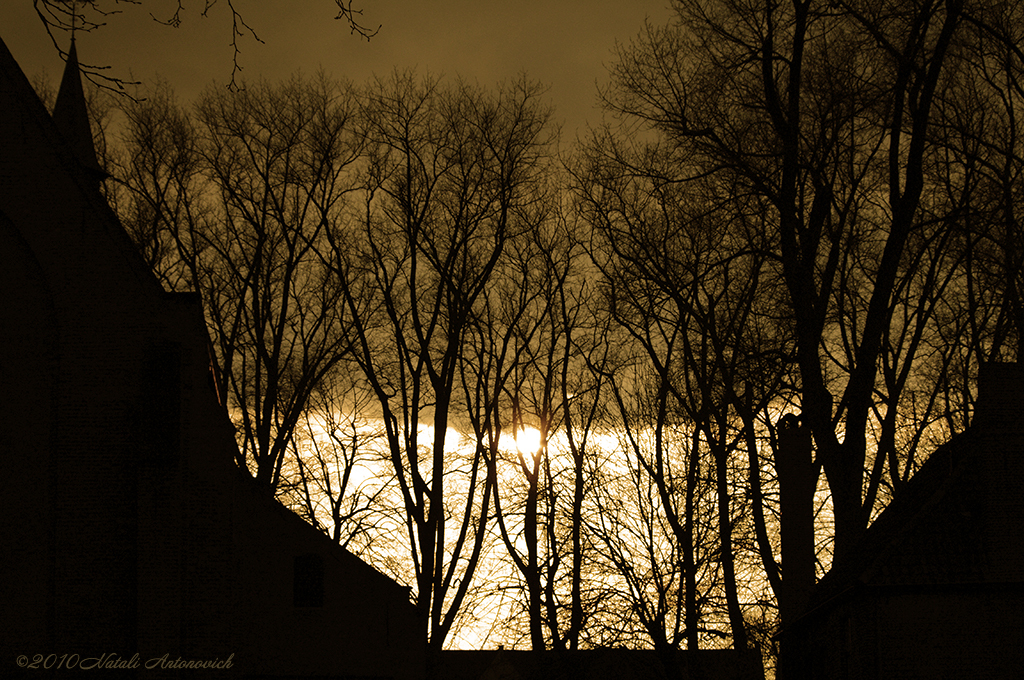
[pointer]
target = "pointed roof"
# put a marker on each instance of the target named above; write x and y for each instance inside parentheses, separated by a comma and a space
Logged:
(958, 519)
(71, 115)
(40, 174)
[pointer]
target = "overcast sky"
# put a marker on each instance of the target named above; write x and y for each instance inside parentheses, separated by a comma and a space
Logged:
(565, 44)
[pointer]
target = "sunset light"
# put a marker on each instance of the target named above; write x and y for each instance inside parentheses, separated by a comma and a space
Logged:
(539, 340)
(528, 441)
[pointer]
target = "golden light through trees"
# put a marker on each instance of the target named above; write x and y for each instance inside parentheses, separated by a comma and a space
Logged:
(567, 363)
(528, 441)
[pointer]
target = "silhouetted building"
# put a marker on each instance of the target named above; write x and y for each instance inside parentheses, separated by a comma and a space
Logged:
(127, 529)
(936, 587)
(600, 664)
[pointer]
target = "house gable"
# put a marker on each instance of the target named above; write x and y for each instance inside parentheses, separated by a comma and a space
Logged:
(130, 528)
(936, 586)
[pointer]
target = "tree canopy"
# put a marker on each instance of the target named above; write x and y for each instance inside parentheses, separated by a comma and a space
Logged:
(803, 208)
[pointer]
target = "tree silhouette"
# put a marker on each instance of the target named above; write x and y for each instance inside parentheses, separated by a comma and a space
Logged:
(829, 117)
(449, 180)
(806, 209)
(234, 203)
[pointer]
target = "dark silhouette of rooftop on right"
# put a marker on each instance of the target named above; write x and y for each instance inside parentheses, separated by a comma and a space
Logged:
(936, 587)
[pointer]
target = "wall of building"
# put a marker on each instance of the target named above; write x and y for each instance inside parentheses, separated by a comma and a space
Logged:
(128, 528)
(936, 589)
(975, 632)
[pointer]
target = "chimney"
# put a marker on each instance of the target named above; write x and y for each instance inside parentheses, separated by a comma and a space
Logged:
(1000, 405)
(795, 467)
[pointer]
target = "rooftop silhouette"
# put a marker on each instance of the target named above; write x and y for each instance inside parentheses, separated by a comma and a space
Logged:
(131, 536)
(936, 586)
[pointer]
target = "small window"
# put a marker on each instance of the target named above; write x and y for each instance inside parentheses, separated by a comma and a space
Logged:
(308, 586)
(161, 403)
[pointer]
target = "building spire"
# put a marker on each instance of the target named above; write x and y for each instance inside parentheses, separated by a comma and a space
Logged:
(72, 117)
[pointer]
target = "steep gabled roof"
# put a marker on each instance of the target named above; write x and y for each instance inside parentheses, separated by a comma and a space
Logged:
(926, 536)
(41, 174)
(13, 80)
(939, 531)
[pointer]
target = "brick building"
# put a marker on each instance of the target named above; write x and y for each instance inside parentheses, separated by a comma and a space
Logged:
(936, 587)
(127, 528)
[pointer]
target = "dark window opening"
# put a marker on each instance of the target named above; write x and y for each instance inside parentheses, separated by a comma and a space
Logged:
(162, 402)
(308, 586)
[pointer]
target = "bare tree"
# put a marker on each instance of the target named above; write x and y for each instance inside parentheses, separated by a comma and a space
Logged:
(339, 479)
(448, 174)
(827, 115)
(685, 266)
(159, 188)
(534, 322)
(508, 323)
(233, 203)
